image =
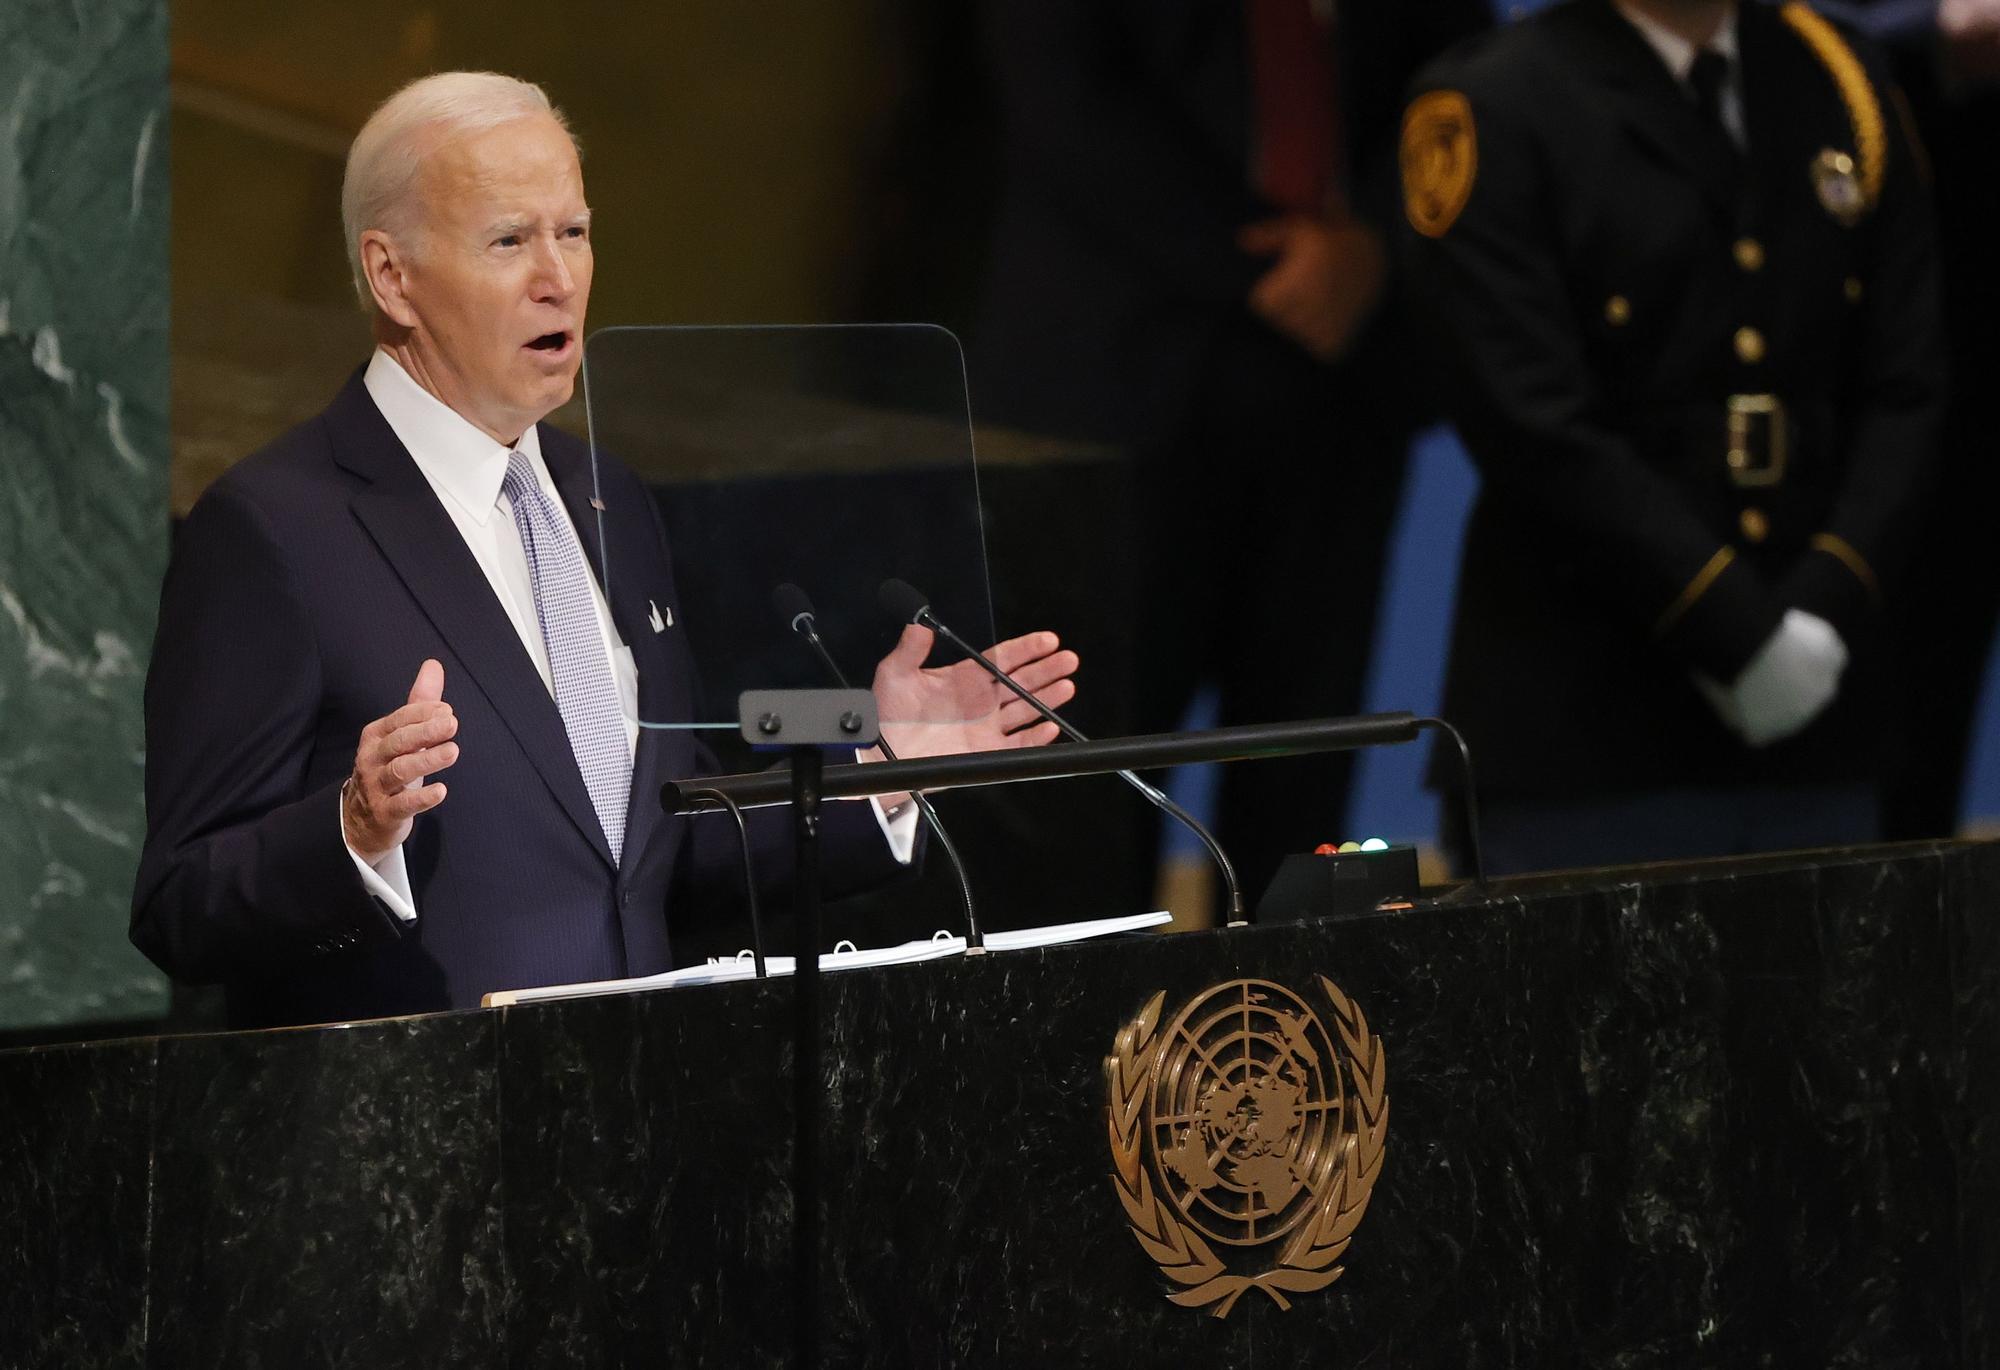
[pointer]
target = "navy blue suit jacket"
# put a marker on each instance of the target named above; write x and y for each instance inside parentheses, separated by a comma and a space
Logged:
(306, 587)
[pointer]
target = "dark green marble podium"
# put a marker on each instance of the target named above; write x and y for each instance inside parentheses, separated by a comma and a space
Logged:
(1716, 1115)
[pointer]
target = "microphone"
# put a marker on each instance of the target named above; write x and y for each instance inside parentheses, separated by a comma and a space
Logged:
(796, 609)
(905, 603)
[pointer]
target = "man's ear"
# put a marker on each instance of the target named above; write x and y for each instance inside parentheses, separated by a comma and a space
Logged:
(385, 265)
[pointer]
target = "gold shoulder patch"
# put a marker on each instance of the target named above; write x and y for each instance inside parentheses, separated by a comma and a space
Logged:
(1440, 157)
(1857, 92)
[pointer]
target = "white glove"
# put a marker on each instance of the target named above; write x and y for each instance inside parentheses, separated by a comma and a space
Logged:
(1794, 676)
(1971, 33)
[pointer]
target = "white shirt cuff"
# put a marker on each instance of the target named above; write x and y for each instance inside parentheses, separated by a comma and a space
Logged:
(900, 828)
(388, 880)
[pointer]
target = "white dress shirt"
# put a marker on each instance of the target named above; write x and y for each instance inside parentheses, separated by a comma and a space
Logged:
(1678, 53)
(466, 469)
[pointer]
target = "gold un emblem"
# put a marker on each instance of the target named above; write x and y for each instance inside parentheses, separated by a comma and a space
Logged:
(1246, 1139)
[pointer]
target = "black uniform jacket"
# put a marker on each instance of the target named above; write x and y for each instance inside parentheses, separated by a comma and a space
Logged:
(1701, 387)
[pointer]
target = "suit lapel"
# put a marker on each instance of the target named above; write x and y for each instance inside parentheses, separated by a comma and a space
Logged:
(418, 539)
(1650, 104)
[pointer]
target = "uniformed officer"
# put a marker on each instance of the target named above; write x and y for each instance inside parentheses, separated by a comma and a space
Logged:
(1677, 259)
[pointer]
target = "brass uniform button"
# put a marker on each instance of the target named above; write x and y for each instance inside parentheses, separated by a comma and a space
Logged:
(1755, 525)
(1853, 289)
(1749, 345)
(1617, 311)
(1749, 254)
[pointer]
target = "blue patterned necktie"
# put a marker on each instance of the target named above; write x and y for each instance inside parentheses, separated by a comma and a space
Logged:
(586, 691)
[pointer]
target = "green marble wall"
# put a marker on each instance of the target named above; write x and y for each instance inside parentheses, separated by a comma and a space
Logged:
(83, 492)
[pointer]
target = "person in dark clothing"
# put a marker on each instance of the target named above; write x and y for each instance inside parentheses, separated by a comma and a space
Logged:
(1190, 263)
(1677, 261)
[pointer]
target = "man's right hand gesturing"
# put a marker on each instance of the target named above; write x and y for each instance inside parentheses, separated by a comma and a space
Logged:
(382, 798)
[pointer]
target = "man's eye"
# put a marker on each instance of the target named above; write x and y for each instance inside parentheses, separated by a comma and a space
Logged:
(574, 231)
(508, 240)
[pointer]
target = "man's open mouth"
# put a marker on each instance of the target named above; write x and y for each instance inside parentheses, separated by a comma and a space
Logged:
(550, 342)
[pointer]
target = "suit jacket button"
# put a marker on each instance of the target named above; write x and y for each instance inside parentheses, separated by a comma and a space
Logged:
(1749, 346)
(1755, 524)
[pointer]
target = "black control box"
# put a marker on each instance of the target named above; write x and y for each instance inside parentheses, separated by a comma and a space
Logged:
(1339, 884)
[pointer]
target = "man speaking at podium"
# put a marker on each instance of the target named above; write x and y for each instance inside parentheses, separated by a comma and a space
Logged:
(393, 759)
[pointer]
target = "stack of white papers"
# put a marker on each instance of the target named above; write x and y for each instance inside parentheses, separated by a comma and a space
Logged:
(846, 956)
(1057, 933)
(708, 974)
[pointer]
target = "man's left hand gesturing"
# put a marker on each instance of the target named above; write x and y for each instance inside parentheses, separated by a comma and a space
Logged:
(948, 710)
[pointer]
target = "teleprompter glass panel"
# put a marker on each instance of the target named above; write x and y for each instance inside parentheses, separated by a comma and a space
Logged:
(826, 459)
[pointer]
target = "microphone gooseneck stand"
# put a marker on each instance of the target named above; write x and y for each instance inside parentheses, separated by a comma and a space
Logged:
(1468, 799)
(797, 611)
(749, 874)
(907, 604)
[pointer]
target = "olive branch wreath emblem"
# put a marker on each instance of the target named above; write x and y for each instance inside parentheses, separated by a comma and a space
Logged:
(1307, 1261)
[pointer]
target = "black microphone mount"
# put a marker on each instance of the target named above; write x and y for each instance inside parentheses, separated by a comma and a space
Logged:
(796, 608)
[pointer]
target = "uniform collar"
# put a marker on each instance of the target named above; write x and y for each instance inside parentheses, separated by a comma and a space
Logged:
(1677, 52)
(460, 461)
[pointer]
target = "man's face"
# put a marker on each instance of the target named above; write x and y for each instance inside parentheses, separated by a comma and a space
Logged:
(501, 274)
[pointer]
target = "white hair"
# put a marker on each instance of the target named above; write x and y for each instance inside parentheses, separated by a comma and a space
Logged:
(379, 188)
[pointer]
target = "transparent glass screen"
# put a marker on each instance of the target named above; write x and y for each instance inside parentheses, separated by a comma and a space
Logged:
(829, 459)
